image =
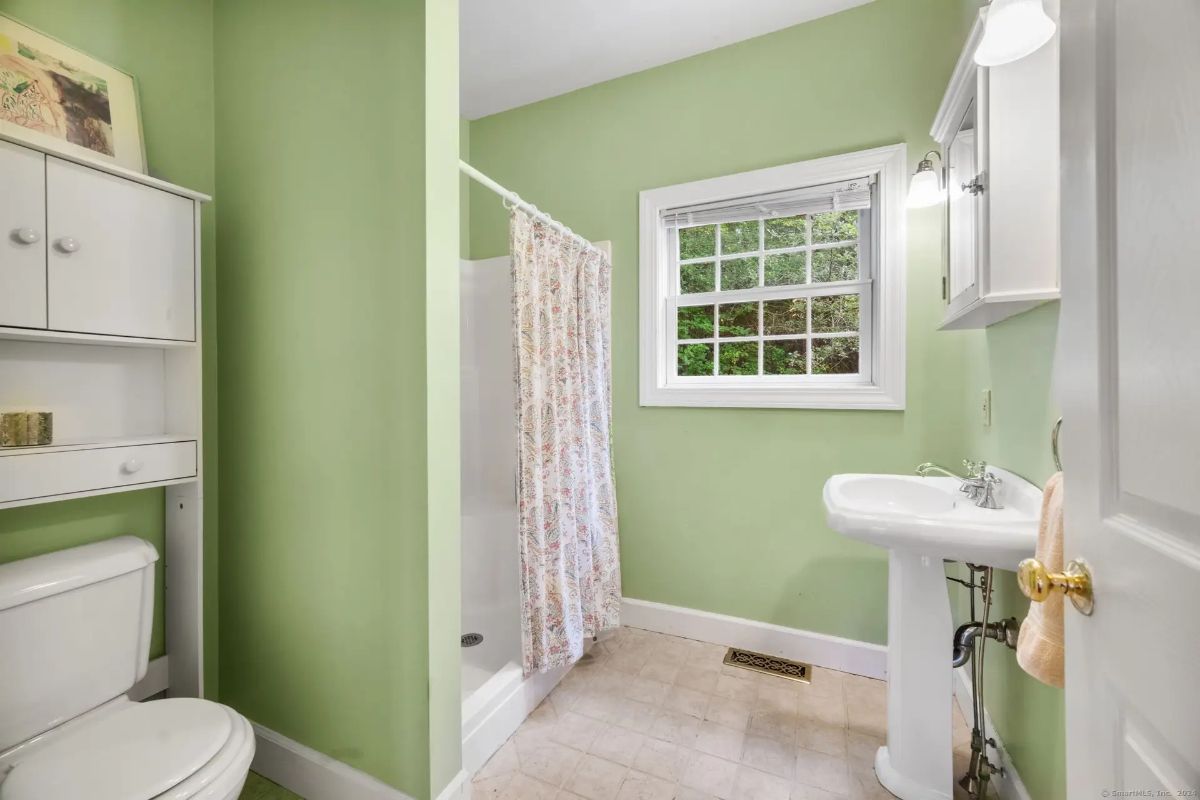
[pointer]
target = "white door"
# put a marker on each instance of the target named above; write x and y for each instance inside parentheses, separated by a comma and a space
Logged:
(23, 226)
(121, 255)
(1129, 387)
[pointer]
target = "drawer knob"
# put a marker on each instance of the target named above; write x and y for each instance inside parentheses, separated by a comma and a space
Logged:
(68, 244)
(27, 235)
(131, 466)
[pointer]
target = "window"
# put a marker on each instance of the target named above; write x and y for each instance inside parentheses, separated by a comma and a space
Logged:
(782, 287)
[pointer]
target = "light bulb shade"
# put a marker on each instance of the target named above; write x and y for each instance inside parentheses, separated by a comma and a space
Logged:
(1012, 30)
(925, 189)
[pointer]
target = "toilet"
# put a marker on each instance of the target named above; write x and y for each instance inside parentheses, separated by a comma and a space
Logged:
(74, 638)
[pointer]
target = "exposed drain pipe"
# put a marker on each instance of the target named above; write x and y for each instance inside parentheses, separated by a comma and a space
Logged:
(964, 638)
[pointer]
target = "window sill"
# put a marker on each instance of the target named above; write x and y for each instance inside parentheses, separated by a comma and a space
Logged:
(858, 397)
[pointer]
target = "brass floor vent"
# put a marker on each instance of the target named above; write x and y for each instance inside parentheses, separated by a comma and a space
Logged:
(769, 665)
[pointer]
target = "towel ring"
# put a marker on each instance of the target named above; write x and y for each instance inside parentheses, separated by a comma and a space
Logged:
(1054, 444)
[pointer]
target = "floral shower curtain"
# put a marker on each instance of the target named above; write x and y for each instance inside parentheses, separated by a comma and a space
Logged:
(570, 569)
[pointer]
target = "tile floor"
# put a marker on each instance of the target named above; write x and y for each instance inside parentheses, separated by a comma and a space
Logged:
(652, 717)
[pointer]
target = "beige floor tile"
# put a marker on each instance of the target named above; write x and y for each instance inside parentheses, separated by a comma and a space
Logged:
(687, 701)
(490, 788)
(640, 786)
(660, 668)
(661, 759)
(802, 792)
(770, 755)
(729, 712)
(646, 690)
(576, 731)
(828, 739)
(524, 787)
(701, 680)
(779, 725)
(861, 749)
(717, 740)
(548, 761)
(866, 716)
(710, 774)
(503, 762)
(751, 784)
(617, 744)
(822, 771)
(596, 779)
(779, 696)
(636, 716)
(598, 706)
(675, 727)
(824, 682)
(736, 689)
(825, 709)
(687, 793)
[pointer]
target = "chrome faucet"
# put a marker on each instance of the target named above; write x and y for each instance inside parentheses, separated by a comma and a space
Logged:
(979, 485)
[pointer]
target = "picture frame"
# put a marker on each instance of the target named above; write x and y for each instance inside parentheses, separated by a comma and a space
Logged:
(62, 100)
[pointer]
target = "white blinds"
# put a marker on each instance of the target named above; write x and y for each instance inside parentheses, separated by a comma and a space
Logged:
(850, 195)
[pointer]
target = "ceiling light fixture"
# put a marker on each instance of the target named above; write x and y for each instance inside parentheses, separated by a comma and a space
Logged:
(1012, 30)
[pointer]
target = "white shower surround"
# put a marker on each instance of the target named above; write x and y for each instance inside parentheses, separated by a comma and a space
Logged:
(496, 696)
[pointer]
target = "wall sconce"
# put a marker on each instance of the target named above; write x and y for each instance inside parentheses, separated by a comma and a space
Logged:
(1012, 30)
(926, 187)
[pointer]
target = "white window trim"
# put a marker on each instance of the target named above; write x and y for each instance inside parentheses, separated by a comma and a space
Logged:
(885, 391)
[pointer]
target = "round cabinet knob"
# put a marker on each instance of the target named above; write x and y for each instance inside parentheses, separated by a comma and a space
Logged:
(68, 244)
(27, 235)
(132, 466)
(1037, 583)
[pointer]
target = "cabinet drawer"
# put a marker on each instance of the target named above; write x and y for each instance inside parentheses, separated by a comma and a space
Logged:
(25, 476)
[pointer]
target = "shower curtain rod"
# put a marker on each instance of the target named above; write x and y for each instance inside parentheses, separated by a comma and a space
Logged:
(516, 200)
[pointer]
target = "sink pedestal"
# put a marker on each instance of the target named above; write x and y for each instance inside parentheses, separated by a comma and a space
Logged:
(916, 763)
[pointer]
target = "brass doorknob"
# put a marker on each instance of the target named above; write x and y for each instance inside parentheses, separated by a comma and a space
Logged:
(1075, 582)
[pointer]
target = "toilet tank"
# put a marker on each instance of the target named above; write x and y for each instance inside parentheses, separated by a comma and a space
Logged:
(74, 632)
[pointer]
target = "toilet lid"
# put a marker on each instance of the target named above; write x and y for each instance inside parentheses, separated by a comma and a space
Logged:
(135, 753)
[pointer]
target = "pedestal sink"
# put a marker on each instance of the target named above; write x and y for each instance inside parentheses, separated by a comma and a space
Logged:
(922, 521)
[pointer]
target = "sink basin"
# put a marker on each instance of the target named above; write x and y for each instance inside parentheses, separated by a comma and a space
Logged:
(922, 521)
(931, 517)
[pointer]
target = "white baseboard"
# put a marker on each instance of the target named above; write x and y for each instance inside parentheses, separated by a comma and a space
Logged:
(1009, 785)
(818, 649)
(459, 787)
(313, 775)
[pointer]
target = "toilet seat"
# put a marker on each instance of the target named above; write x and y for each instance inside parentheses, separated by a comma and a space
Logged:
(177, 749)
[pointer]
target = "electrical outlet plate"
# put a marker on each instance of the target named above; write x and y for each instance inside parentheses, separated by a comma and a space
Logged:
(985, 408)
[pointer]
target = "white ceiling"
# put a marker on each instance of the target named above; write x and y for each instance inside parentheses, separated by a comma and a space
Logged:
(516, 52)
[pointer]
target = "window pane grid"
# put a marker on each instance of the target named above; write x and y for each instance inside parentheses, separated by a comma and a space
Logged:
(730, 351)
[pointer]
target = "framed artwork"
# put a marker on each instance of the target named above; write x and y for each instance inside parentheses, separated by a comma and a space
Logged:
(61, 100)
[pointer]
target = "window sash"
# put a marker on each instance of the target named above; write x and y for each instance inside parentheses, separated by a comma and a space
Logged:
(863, 287)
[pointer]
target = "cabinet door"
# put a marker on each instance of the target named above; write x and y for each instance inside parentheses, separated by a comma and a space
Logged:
(23, 226)
(121, 256)
(963, 168)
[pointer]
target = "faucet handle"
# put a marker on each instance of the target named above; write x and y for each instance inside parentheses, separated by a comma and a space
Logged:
(987, 494)
(975, 469)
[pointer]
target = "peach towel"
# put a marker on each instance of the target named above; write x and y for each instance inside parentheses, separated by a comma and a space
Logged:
(1040, 642)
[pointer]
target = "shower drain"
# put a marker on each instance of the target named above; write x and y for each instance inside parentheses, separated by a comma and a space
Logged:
(471, 639)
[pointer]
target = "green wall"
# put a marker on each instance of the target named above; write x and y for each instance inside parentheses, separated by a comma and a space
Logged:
(167, 46)
(720, 509)
(337, 136)
(1014, 359)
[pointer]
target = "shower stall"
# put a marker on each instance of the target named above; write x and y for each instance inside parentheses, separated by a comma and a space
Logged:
(496, 695)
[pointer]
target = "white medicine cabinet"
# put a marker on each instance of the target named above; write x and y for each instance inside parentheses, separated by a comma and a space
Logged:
(998, 131)
(99, 325)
